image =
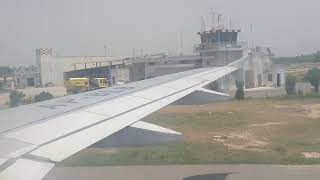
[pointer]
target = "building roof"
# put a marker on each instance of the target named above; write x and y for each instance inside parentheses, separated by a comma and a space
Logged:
(26, 70)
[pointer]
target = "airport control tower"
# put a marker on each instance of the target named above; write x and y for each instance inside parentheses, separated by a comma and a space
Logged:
(219, 45)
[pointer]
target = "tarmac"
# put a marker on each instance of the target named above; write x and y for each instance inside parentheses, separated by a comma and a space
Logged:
(188, 172)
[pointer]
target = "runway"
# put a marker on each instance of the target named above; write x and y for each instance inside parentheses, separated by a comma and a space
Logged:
(187, 172)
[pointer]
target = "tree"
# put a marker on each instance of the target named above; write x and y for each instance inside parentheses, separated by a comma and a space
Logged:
(43, 96)
(5, 72)
(240, 91)
(74, 90)
(291, 84)
(317, 56)
(1, 86)
(313, 76)
(16, 98)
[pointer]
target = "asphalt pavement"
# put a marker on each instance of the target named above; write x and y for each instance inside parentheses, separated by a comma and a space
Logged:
(188, 172)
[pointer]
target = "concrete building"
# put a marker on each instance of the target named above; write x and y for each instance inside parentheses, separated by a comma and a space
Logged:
(27, 77)
(115, 72)
(154, 66)
(53, 66)
(218, 47)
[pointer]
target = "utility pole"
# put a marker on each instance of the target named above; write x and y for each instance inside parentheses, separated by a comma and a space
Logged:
(219, 27)
(181, 44)
(251, 29)
(105, 50)
(134, 53)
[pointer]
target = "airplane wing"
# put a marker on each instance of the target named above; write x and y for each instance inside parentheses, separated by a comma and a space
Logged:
(33, 138)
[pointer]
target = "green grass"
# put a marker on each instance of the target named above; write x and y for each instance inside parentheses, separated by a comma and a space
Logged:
(187, 153)
(199, 121)
(296, 60)
(309, 97)
(296, 134)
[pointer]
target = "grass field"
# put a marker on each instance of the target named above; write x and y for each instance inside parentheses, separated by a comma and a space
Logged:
(308, 58)
(256, 131)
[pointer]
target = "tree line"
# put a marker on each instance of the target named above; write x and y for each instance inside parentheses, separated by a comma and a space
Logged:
(18, 98)
(312, 76)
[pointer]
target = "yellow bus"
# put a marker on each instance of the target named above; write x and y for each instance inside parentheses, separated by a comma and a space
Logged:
(85, 84)
(101, 82)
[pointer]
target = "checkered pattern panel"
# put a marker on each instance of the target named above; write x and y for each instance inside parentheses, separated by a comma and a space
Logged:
(45, 52)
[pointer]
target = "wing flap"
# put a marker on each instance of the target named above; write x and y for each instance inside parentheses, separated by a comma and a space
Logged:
(152, 127)
(12, 148)
(181, 84)
(140, 134)
(216, 73)
(118, 106)
(24, 169)
(213, 92)
(57, 127)
(155, 93)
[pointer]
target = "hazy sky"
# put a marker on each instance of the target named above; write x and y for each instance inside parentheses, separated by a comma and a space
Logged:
(82, 27)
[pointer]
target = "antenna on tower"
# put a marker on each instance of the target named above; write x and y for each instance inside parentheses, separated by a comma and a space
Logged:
(213, 20)
(202, 25)
(251, 29)
(219, 21)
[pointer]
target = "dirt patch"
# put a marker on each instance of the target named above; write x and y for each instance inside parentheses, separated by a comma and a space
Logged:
(241, 141)
(311, 155)
(102, 151)
(312, 110)
(279, 106)
(214, 107)
(265, 124)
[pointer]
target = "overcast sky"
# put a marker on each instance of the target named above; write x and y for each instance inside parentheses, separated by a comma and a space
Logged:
(83, 27)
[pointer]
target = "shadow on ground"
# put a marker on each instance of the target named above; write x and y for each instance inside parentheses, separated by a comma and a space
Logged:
(218, 176)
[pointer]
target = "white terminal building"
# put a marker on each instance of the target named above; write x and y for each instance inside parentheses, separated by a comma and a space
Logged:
(53, 67)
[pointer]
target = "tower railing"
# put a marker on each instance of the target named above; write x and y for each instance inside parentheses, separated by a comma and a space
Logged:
(222, 46)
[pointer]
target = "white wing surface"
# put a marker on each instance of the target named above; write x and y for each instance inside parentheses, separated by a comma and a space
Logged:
(33, 138)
